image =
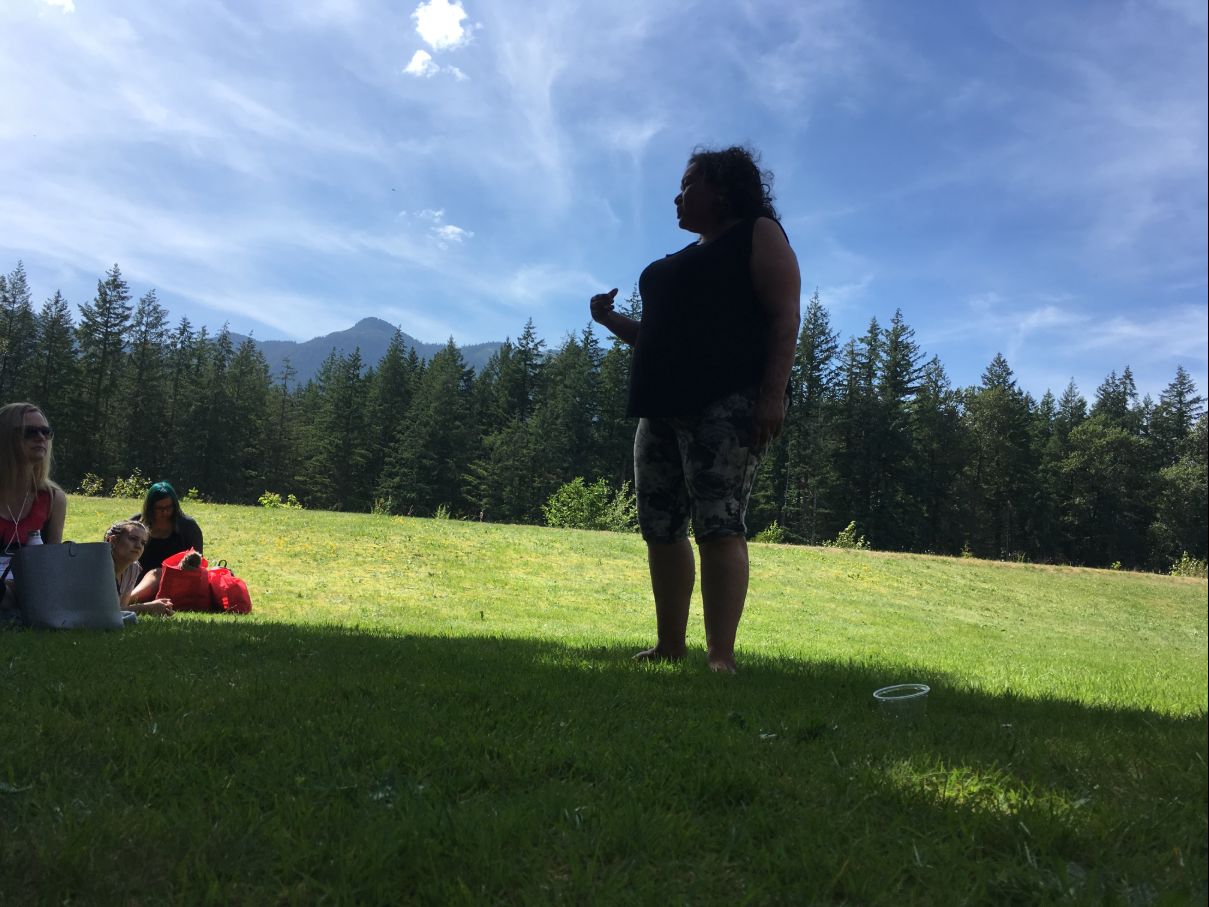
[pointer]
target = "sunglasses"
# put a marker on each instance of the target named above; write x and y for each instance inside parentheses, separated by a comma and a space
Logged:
(38, 431)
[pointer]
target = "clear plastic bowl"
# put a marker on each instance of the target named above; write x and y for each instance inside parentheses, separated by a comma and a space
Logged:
(907, 701)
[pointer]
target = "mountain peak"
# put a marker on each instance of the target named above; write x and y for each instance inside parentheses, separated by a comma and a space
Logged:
(372, 336)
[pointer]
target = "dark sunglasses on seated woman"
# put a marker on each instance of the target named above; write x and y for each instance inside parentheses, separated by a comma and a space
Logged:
(34, 431)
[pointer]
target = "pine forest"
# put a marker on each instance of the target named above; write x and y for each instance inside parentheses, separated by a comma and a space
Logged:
(878, 443)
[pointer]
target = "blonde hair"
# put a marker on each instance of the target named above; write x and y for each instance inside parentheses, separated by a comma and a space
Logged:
(121, 527)
(16, 472)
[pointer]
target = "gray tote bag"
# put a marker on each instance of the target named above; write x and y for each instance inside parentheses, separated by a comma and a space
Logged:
(67, 587)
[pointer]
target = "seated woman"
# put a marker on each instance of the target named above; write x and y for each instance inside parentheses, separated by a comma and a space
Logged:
(171, 531)
(29, 500)
(127, 539)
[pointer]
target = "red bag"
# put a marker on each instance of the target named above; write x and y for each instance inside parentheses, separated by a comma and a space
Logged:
(227, 591)
(188, 589)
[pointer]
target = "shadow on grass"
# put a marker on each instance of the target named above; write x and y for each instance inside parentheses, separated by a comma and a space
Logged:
(472, 768)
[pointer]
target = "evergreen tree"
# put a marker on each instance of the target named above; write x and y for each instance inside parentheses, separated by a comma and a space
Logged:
(145, 388)
(181, 387)
(247, 420)
(282, 443)
(337, 456)
(17, 336)
(1181, 518)
(101, 335)
(428, 464)
(895, 512)
(1177, 412)
(565, 416)
(520, 375)
(613, 442)
(391, 387)
(997, 475)
(1116, 401)
(54, 377)
(939, 446)
(495, 399)
(1107, 493)
(860, 435)
(210, 460)
(809, 440)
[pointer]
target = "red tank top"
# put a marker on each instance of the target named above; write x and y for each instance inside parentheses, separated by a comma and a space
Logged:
(35, 519)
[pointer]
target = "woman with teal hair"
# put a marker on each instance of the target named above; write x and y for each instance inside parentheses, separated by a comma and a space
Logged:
(170, 530)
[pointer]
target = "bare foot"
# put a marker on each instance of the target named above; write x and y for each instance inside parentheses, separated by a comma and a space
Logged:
(723, 665)
(659, 653)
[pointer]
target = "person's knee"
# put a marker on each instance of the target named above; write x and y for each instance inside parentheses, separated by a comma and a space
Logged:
(663, 537)
(723, 536)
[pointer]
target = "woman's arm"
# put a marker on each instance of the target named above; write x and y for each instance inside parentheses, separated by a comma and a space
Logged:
(191, 534)
(141, 599)
(145, 589)
(160, 606)
(52, 533)
(623, 328)
(778, 283)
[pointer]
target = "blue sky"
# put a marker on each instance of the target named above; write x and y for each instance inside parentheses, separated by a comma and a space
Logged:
(1026, 178)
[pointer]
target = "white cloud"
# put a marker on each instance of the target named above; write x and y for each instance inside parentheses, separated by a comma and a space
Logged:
(439, 23)
(443, 233)
(534, 285)
(421, 65)
(844, 295)
(450, 233)
(68, 6)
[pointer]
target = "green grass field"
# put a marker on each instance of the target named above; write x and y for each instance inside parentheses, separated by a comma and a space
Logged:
(425, 711)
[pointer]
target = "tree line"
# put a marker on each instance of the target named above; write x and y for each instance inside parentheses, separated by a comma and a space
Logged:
(876, 433)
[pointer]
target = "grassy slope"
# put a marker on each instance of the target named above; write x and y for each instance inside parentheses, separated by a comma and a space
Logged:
(444, 711)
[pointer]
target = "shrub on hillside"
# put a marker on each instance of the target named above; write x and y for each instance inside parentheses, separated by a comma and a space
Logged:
(92, 485)
(848, 538)
(272, 499)
(578, 505)
(773, 534)
(1189, 566)
(133, 486)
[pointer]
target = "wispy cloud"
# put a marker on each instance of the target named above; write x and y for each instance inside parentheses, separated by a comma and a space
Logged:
(250, 158)
(68, 6)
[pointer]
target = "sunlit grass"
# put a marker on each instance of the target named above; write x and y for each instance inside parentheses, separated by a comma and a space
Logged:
(435, 711)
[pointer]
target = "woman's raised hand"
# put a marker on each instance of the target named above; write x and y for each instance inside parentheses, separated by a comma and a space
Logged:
(602, 305)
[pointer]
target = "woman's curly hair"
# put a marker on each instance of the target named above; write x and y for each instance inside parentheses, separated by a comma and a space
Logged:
(746, 190)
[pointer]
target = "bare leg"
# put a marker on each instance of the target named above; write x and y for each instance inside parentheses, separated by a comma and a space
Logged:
(724, 571)
(673, 573)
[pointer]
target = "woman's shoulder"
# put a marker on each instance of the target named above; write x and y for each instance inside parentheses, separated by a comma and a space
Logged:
(50, 491)
(768, 232)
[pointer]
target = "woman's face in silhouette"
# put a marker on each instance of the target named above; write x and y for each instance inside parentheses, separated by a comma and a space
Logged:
(698, 203)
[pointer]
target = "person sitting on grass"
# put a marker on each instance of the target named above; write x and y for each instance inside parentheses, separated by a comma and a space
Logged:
(29, 501)
(127, 539)
(171, 531)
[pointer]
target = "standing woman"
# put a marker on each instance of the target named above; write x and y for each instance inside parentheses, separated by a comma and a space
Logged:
(170, 530)
(29, 500)
(709, 381)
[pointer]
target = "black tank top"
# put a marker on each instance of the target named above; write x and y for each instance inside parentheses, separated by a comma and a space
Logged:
(703, 334)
